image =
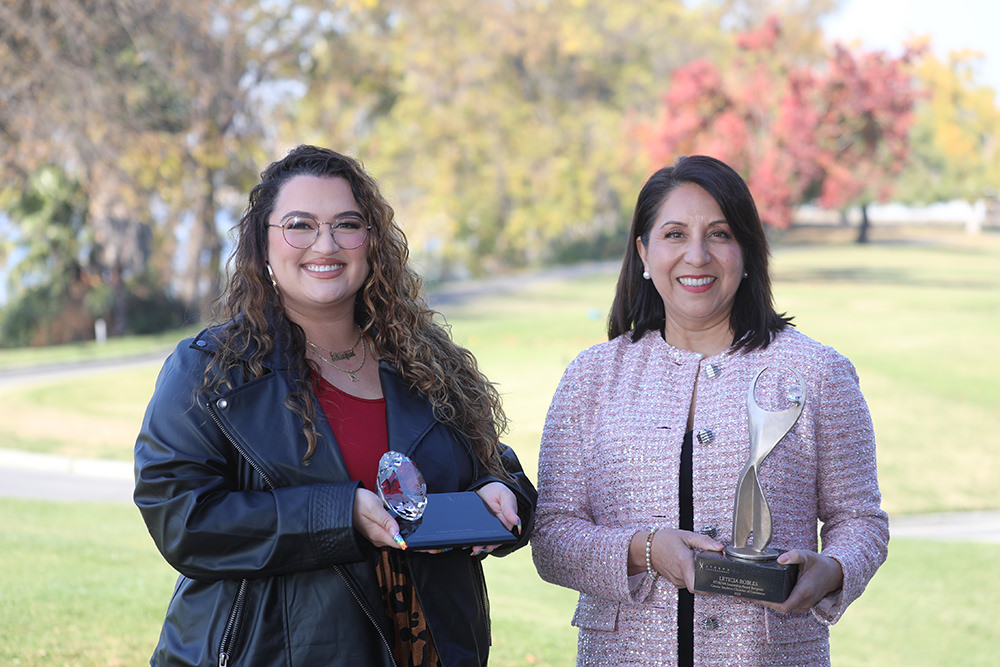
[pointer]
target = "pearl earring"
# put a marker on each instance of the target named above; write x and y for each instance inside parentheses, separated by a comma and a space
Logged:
(645, 274)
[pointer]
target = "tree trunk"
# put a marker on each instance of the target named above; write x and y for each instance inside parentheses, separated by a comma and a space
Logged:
(122, 239)
(210, 270)
(119, 303)
(865, 224)
(199, 281)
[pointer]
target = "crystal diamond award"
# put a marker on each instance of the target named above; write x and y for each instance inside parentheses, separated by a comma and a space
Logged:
(435, 520)
(401, 486)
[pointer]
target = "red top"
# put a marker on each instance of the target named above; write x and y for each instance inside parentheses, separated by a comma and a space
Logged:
(359, 426)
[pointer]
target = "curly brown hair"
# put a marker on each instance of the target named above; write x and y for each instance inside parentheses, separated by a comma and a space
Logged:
(389, 308)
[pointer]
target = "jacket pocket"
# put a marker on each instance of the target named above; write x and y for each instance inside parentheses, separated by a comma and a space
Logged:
(596, 614)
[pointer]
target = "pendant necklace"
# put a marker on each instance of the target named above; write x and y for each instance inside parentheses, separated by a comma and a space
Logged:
(336, 356)
(350, 373)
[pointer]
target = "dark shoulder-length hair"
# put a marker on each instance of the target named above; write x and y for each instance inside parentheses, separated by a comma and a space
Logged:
(389, 308)
(638, 308)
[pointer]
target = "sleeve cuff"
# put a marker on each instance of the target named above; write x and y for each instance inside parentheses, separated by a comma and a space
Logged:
(331, 523)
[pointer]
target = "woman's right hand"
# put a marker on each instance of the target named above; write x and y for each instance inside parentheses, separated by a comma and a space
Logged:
(672, 555)
(372, 520)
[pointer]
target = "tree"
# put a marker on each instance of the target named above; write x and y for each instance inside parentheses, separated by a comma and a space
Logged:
(518, 151)
(862, 134)
(150, 107)
(756, 113)
(956, 136)
(48, 286)
(796, 130)
(61, 87)
(499, 130)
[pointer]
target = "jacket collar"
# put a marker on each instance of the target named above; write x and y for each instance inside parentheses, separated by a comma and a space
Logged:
(211, 339)
(653, 341)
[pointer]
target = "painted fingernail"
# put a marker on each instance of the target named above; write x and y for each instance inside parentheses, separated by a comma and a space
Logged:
(398, 539)
(518, 526)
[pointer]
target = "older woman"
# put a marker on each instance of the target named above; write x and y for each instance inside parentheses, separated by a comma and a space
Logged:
(257, 456)
(647, 434)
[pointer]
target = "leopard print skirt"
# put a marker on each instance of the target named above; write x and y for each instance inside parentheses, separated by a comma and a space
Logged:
(412, 643)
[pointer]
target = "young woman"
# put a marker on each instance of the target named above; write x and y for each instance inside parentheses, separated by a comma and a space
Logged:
(256, 463)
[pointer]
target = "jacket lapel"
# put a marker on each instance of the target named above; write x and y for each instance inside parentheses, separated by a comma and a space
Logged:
(408, 417)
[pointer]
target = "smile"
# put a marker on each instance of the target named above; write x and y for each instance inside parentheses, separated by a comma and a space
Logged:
(323, 268)
(696, 282)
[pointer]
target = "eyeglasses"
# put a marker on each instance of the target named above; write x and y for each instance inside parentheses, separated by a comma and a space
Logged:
(348, 230)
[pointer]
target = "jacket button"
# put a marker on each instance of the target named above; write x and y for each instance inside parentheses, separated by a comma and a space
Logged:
(222, 403)
(709, 530)
(705, 436)
(711, 623)
(713, 371)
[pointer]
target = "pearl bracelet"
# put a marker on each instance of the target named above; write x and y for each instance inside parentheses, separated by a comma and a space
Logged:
(649, 551)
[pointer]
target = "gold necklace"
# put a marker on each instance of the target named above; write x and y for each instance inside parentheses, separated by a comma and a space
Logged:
(350, 373)
(336, 356)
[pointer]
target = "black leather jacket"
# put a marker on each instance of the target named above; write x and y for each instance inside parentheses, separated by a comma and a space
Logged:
(272, 571)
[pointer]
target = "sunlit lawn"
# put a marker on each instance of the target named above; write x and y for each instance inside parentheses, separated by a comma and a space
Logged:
(81, 584)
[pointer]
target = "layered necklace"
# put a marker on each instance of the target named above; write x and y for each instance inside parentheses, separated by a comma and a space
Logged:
(337, 356)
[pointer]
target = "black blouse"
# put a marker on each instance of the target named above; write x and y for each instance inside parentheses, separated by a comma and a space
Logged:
(685, 599)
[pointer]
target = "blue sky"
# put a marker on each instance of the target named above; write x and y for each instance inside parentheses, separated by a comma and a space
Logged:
(952, 25)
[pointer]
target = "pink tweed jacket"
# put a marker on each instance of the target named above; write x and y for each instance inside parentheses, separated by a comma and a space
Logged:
(609, 465)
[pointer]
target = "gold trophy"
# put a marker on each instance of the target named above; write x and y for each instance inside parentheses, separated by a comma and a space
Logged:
(748, 568)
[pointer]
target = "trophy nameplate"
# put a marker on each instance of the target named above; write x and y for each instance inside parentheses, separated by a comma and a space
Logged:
(748, 568)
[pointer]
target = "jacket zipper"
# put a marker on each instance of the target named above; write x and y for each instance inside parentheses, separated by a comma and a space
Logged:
(233, 624)
(357, 598)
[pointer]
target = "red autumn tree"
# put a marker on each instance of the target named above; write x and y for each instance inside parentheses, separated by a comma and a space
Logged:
(795, 131)
(863, 131)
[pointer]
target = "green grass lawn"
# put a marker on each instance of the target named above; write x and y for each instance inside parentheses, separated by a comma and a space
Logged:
(83, 585)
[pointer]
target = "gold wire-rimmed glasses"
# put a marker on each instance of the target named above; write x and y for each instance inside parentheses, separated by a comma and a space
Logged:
(300, 230)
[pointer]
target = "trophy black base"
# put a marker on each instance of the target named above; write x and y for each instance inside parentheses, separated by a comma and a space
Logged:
(763, 579)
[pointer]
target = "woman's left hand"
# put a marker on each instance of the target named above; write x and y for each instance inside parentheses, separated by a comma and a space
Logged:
(503, 503)
(819, 576)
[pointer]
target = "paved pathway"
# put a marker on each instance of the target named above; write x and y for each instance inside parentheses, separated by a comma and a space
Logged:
(42, 476)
